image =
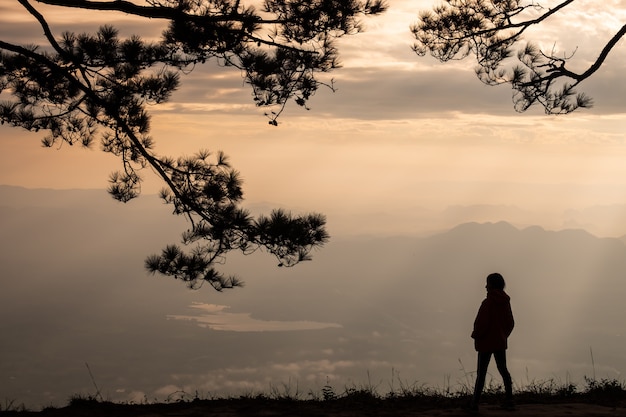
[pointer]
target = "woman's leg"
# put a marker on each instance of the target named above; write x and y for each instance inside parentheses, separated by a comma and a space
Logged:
(481, 375)
(500, 357)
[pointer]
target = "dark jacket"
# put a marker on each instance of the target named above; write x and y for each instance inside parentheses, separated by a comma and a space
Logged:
(494, 322)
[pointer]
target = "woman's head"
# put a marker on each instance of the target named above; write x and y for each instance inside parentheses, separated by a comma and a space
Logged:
(495, 281)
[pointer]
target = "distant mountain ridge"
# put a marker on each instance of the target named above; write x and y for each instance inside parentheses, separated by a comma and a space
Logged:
(406, 221)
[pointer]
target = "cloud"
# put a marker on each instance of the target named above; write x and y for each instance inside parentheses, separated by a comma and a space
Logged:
(276, 377)
(216, 317)
(381, 77)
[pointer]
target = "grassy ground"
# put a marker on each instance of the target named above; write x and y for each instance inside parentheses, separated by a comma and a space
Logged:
(594, 397)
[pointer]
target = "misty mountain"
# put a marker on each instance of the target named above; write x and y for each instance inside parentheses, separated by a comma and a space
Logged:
(74, 291)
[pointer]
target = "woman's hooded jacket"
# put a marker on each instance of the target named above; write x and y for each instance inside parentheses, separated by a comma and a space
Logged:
(494, 322)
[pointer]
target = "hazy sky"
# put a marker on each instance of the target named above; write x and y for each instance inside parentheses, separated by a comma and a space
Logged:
(405, 147)
(397, 123)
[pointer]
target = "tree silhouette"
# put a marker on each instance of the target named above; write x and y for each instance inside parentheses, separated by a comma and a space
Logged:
(492, 30)
(83, 88)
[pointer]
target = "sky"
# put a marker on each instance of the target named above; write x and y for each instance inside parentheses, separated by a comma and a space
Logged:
(406, 148)
(396, 124)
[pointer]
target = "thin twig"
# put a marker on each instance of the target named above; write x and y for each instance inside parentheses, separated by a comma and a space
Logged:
(93, 380)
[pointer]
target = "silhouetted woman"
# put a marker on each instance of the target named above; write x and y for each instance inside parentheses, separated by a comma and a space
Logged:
(492, 327)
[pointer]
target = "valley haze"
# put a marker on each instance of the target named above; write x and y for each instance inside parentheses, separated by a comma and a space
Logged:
(371, 308)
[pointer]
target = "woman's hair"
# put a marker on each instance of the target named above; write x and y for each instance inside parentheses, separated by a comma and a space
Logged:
(495, 281)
